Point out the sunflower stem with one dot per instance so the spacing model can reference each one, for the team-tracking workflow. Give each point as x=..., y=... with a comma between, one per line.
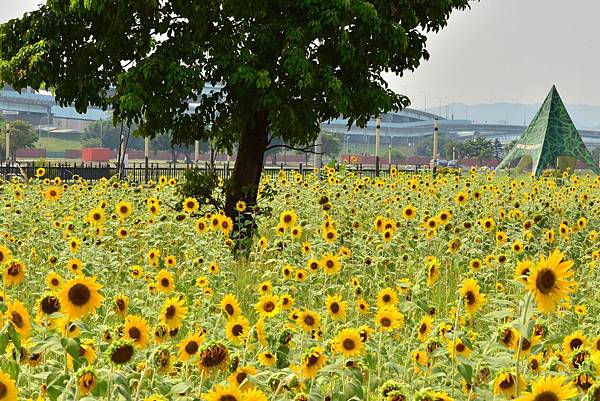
x=523, y=321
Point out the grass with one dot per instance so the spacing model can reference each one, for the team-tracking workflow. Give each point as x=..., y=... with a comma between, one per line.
x=58, y=144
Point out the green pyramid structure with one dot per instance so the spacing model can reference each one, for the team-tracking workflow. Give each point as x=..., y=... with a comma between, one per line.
x=550, y=135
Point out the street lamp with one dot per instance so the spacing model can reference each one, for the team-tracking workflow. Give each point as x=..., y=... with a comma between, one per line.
x=425, y=96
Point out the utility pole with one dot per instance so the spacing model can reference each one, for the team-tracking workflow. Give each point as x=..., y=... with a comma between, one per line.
x=146, y=156
x=377, y=144
x=196, y=151
x=318, y=159
x=436, y=130
x=7, y=142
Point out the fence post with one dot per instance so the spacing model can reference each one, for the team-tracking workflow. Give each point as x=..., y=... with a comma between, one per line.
x=377, y=166
x=301, y=169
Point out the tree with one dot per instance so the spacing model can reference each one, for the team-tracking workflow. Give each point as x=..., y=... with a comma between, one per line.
x=108, y=135
x=22, y=136
x=279, y=68
x=332, y=145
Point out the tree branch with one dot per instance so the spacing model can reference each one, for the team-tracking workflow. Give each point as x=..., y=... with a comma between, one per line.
x=304, y=150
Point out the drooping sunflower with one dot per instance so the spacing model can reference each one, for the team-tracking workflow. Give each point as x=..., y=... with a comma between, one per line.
x=14, y=273
x=213, y=357
x=548, y=281
x=86, y=380
x=433, y=272
x=121, y=352
x=173, y=312
x=136, y=330
x=165, y=281
x=190, y=346
x=550, y=388
x=121, y=304
x=8, y=388
x=508, y=337
x=471, y=296
x=237, y=329
x=348, y=342
x=312, y=362
x=18, y=316
x=47, y=304
x=80, y=296
x=336, y=308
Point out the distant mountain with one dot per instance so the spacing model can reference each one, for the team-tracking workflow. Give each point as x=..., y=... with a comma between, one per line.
x=584, y=116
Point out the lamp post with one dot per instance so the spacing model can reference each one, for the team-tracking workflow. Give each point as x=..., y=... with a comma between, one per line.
x=425, y=97
x=7, y=143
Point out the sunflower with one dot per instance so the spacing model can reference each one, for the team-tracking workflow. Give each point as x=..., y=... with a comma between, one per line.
x=190, y=346
x=424, y=327
x=164, y=281
x=96, y=217
x=501, y=238
x=457, y=347
x=473, y=299
x=547, y=281
x=523, y=269
x=388, y=318
x=488, y=224
x=550, y=388
x=348, y=343
x=75, y=266
x=18, y=316
x=309, y=320
x=336, y=308
x=8, y=388
x=86, y=380
x=387, y=297
x=505, y=384
x=14, y=272
x=123, y=209
x=362, y=306
x=508, y=337
x=121, y=304
x=312, y=362
x=286, y=301
x=330, y=263
x=80, y=296
x=267, y=305
x=5, y=255
x=224, y=393
x=47, y=305
x=172, y=313
x=240, y=206
x=409, y=212
x=534, y=363
x=461, y=198
x=267, y=358
x=121, y=352
x=237, y=329
x=433, y=272
x=230, y=305
x=52, y=194
x=240, y=378
x=190, y=205
x=226, y=225
x=288, y=219
x=574, y=341
x=136, y=330
x=313, y=265
x=475, y=263
x=266, y=287
x=213, y=357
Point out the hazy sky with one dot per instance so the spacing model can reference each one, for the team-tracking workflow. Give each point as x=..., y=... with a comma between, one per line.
x=500, y=50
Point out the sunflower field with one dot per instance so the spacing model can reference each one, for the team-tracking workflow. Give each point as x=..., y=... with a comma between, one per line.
x=408, y=287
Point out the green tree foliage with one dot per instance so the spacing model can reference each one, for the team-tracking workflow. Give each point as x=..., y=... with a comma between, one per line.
x=480, y=148
x=280, y=67
x=105, y=134
x=22, y=136
x=332, y=144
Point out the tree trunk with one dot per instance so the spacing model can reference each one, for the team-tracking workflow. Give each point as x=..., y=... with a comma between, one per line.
x=245, y=179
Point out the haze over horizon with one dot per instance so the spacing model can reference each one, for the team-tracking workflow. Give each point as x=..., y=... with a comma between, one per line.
x=509, y=51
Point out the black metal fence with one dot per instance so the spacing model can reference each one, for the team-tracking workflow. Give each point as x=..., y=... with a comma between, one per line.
x=138, y=172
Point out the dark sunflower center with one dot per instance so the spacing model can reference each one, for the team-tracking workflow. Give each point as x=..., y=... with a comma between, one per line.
x=79, y=294
x=3, y=390
x=312, y=361
x=190, y=205
x=309, y=320
x=134, y=333
x=122, y=354
x=228, y=397
x=191, y=347
x=240, y=377
x=269, y=307
x=387, y=298
x=546, y=396
x=386, y=322
x=423, y=328
x=50, y=305
x=470, y=297
x=335, y=307
x=17, y=319
x=545, y=281
x=507, y=383
x=214, y=356
x=14, y=269
x=460, y=347
x=348, y=344
x=575, y=343
x=165, y=282
x=229, y=309
x=329, y=264
x=237, y=330
x=287, y=218
x=534, y=364
x=120, y=305
x=124, y=209
x=170, y=312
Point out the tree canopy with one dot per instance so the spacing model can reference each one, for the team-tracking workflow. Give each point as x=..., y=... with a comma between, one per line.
x=279, y=67
x=22, y=136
